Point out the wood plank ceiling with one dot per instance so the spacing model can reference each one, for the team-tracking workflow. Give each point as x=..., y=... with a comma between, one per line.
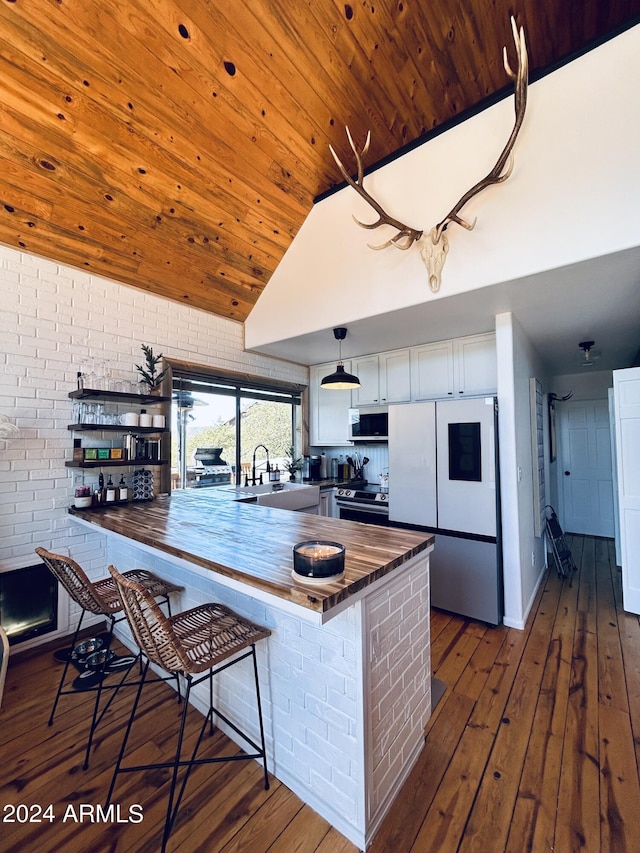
x=177, y=145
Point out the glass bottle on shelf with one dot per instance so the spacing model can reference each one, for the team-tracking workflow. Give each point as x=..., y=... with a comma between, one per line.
x=110, y=491
x=123, y=491
x=99, y=494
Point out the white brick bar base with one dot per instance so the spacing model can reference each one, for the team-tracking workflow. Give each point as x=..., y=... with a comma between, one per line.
x=345, y=703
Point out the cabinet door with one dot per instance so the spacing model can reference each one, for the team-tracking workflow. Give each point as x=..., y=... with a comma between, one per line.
x=366, y=369
x=432, y=371
x=325, y=503
x=475, y=368
x=394, y=377
x=329, y=410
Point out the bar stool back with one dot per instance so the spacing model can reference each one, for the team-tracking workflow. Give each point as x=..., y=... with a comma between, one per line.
x=206, y=639
x=102, y=599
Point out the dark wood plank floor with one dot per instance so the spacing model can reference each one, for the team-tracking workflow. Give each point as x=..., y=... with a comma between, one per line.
x=535, y=746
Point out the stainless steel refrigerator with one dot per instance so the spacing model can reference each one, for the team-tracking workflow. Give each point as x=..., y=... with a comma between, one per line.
x=443, y=477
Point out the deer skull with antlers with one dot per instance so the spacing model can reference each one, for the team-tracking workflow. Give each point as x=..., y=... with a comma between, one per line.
x=434, y=244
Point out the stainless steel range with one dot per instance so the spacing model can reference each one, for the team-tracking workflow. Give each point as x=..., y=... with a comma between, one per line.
x=366, y=504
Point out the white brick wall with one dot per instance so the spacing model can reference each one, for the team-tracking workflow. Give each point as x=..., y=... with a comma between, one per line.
x=52, y=318
x=311, y=690
x=345, y=704
x=399, y=679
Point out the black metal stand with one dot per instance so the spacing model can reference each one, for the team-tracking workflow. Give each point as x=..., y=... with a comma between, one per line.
x=562, y=555
x=177, y=762
x=101, y=672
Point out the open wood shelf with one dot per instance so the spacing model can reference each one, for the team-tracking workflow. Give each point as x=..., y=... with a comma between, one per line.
x=116, y=463
x=96, y=393
x=115, y=428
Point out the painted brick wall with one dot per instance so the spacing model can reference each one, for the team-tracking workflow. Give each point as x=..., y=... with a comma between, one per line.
x=52, y=318
x=333, y=695
x=311, y=689
x=399, y=683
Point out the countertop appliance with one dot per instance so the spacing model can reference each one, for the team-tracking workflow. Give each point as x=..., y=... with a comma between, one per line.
x=365, y=503
x=443, y=477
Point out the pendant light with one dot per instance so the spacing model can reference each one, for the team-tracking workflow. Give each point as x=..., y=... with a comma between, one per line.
x=340, y=380
x=588, y=356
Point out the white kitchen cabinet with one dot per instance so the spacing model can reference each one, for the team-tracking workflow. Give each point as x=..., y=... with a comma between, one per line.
x=432, y=371
x=395, y=376
x=384, y=378
x=328, y=410
x=475, y=365
x=366, y=369
x=327, y=503
x=452, y=368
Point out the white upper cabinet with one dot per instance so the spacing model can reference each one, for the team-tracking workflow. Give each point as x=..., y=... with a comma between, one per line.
x=475, y=365
x=395, y=376
x=442, y=370
x=366, y=369
x=432, y=371
x=384, y=378
x=328, y=410
x=449, y=369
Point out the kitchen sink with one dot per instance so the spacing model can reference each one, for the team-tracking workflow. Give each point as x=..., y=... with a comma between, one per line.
x=284, y=496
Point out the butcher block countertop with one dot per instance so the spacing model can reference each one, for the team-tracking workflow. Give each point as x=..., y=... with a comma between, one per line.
x=253, y=544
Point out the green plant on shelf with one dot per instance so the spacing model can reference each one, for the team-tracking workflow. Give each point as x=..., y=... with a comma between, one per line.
x=149, y=371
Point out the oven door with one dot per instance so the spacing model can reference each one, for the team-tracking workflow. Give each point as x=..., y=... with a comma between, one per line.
x=364, y=514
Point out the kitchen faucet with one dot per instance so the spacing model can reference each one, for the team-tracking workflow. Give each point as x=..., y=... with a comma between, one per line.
x=253, y=465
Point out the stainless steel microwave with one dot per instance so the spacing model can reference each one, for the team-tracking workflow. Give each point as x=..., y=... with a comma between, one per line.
x=369, y=423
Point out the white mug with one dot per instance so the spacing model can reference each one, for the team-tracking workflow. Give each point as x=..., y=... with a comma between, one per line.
x=129, y=419
x=146, y=419
x=158, y=421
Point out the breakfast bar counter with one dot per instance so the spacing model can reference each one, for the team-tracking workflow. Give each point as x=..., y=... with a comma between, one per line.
x=345, y=674
x=253, y=545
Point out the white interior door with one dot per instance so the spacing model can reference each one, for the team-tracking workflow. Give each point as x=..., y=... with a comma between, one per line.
x=585, y=467
x=626, y=389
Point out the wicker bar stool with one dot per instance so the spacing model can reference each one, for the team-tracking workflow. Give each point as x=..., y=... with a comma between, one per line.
x=102, y=599
x=196, y=645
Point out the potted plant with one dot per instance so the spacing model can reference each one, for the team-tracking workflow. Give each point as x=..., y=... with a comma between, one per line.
x=293, y=463
x=149, y=371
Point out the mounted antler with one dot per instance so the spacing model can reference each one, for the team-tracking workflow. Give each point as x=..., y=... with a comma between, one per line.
x=406, y=236
x=434, y=246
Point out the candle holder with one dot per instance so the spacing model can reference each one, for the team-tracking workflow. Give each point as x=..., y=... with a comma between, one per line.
x=318, y=561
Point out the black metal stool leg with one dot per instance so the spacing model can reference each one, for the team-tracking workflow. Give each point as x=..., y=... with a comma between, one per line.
x=66, y=669
x=127, y=733
x=171, y=811
x=96, y=704
x=262, y=742
x=211, y=702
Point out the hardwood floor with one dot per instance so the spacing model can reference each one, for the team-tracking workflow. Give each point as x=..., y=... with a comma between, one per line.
x=535, y=746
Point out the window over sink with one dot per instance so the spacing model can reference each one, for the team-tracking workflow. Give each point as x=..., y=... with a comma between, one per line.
x=218, y=418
